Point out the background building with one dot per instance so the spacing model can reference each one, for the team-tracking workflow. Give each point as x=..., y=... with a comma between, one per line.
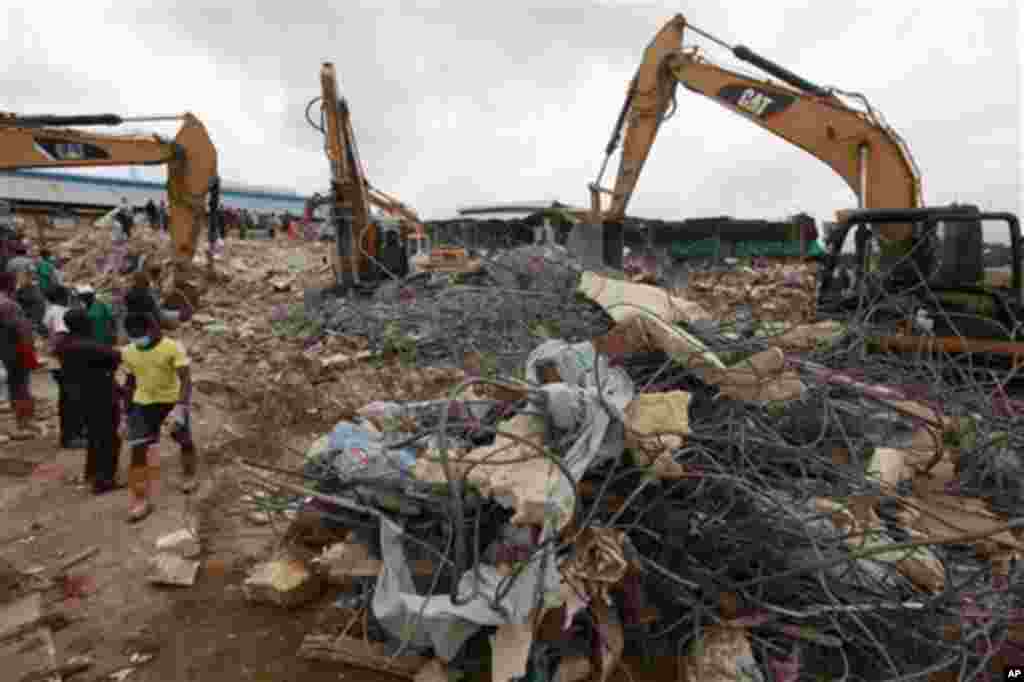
x=44, y=190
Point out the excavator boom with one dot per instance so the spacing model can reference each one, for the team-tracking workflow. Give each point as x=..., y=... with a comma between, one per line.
x=855, y=142
x=869, y=156
x=356, y=237
x=866, y=154
x=191, y=159
x=360, y=253
x=647, y=101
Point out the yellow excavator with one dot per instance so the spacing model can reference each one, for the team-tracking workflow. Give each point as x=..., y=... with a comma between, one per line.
x=191, y=160
x=942, y=245
x=367, y=250
x=856, y=143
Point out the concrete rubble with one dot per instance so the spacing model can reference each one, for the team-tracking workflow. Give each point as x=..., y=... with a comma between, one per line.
x=183, y=542
x=545, y=473
x=285, y=582
x=541, y=481
x=167, y=568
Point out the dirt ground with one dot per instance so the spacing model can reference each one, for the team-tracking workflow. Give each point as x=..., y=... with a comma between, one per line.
x=207, y=632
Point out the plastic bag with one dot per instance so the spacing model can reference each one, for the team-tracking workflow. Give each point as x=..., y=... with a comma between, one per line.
x=181, y=425
x=351, y=450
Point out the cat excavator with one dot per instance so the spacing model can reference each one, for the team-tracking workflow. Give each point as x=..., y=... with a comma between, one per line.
x=942, y=246
x=367, y=250
x=45, y=141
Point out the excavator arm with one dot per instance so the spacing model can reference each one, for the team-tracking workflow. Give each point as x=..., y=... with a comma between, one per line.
x=358, y=238
x=349, y=189
x=394, y=207
x=191, y=160
x=857, y=144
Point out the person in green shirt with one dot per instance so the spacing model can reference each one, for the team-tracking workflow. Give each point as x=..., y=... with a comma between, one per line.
x=46, y=272
x=101, y=317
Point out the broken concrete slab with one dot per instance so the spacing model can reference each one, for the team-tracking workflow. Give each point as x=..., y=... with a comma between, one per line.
x=183, y=543
x=343, y=562
x=623, y=300
x=285, y=582
x=170, y=569
x=647, y=332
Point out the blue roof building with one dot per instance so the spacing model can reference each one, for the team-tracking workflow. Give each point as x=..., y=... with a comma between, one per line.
x=40, y=189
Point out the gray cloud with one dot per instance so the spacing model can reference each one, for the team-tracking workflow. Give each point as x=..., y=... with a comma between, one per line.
x=463, y=102
x=30, y=76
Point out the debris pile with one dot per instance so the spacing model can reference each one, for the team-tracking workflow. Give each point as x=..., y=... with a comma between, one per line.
x=768, y=290
x=733, y=500
x=525, y=295
x=539, y=473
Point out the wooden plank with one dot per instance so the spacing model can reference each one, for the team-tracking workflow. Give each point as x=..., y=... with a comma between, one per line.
x=365, y=654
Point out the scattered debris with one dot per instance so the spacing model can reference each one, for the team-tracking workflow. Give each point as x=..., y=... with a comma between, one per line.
x=361, y=653
x=697, y=470
x=73, y=561
x=21, y=615
x=171, y=569
x=671, y=459
x=183, y=543
x=285, y=582
x=73, y=666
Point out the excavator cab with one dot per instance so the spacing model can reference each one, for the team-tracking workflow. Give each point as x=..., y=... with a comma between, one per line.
x=942, y=286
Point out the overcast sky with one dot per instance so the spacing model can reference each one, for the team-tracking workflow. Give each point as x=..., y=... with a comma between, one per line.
x=459, y=102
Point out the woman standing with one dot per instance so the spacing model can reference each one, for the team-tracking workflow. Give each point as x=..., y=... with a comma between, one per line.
x=18, y=357
x=91, y=366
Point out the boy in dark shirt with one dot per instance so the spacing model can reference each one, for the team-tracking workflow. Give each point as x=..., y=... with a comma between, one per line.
x=91, y=366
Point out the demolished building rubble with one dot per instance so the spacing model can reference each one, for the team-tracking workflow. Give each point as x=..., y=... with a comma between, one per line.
x=555, y=482
x=739, y=500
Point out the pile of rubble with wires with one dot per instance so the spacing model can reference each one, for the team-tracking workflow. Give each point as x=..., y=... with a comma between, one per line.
x=733, y=501
x=496, y=315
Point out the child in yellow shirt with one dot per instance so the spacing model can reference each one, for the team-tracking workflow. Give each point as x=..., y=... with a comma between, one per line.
x=159, y=385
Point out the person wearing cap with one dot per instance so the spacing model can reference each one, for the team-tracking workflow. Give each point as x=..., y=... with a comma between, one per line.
x=100, y=315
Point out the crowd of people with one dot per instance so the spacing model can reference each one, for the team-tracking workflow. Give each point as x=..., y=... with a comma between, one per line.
x=91, y=339
x=96, y=412
x=225, y=220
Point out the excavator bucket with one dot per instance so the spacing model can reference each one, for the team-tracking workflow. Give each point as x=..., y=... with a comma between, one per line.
x=583, y=241
x=188, y=181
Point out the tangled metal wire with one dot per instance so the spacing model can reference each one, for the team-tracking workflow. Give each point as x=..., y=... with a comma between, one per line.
x=745, y=520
